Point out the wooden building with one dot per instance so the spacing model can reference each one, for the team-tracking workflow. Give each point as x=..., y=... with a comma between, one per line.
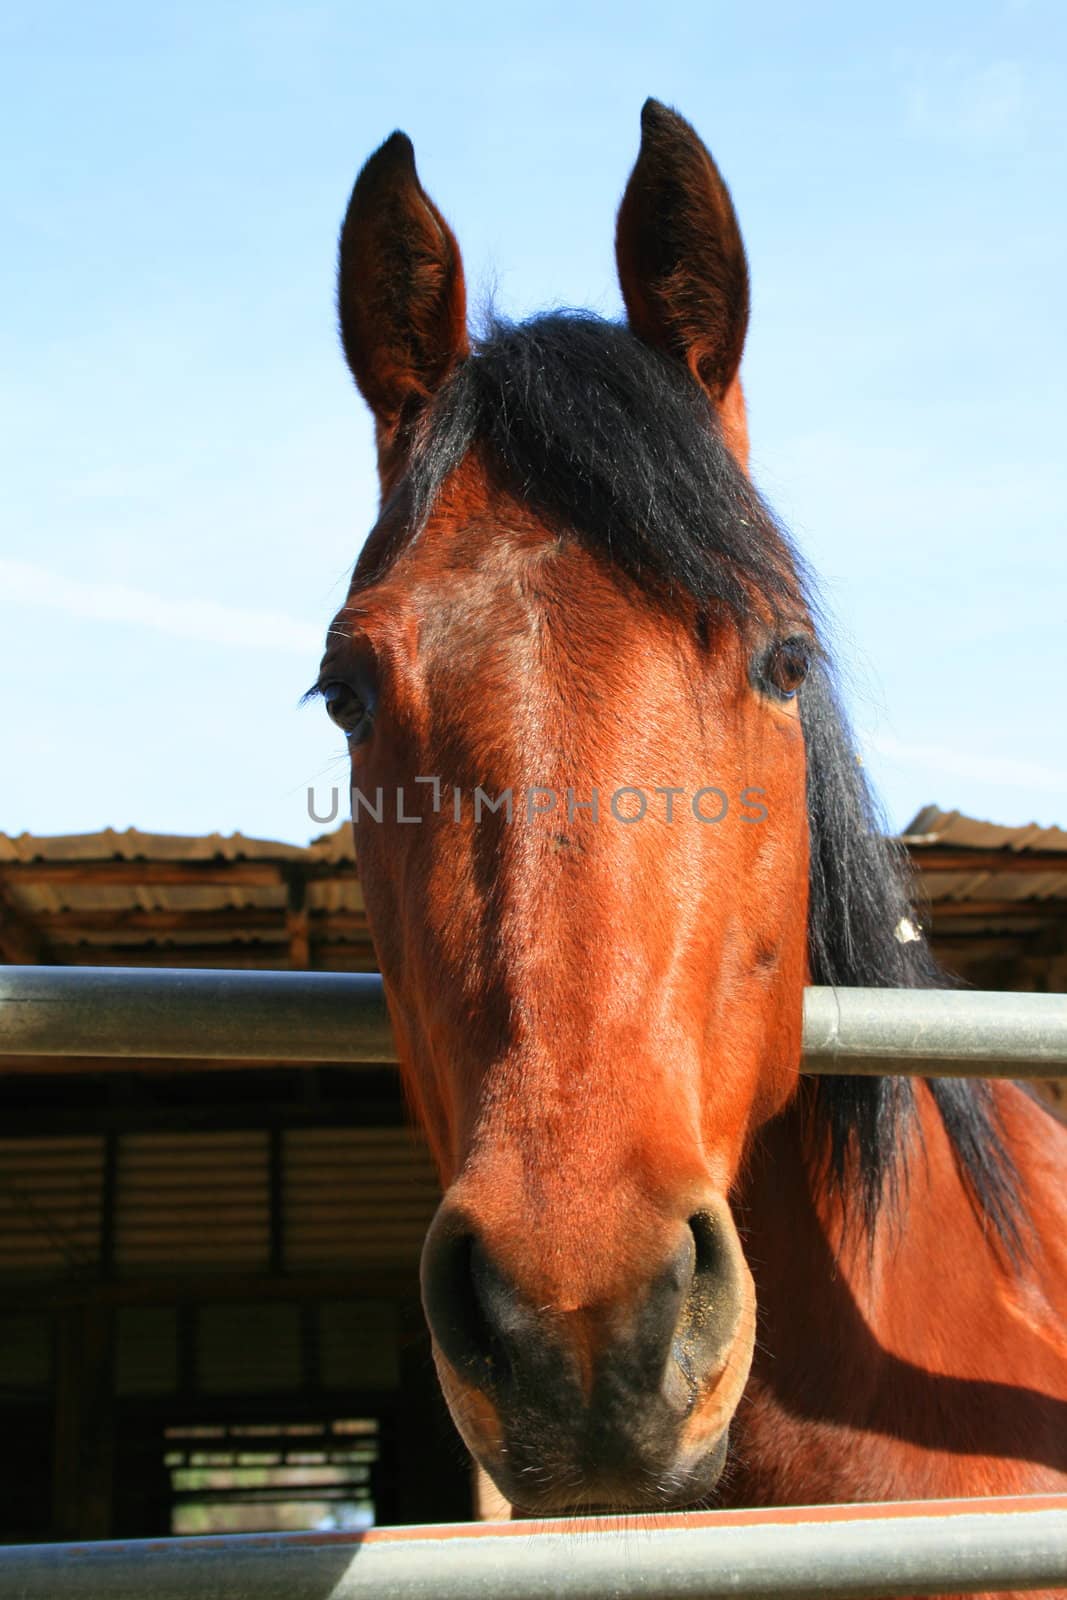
x=209, y=1313
x=995, y=899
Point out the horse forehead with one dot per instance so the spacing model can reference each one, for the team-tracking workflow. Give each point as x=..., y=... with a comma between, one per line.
x=486, y=591
x=500, y=591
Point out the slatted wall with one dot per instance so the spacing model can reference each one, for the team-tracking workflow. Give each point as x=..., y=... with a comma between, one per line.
x=262, y=1266
x=182, y=1202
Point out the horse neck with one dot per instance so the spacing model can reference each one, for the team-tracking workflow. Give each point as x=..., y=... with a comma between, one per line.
x=908, y=1367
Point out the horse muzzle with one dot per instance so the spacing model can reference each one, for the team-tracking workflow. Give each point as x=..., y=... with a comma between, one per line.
x=624, y=1404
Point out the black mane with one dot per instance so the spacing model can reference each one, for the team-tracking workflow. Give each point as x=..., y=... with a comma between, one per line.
x=616, y=446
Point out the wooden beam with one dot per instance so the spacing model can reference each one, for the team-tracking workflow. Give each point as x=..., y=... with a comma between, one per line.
x=84, y=1433
x=21, y=943
x=296, y=922
x=360, y=1281
x=941, y=858
x=336, y=924
x=981, y=948
x=982, y=927
x=1054, y=906
x=298, y=935
x=250, y=874
x=67, y=925
x=258, y=957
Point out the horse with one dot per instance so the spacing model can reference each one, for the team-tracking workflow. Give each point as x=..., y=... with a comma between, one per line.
x=610, y=822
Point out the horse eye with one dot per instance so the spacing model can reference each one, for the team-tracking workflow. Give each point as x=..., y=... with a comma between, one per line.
x=347, y=710
x=786, y=666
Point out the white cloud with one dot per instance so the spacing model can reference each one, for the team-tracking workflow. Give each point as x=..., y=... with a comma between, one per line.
x=937, y=760
x=22, y=583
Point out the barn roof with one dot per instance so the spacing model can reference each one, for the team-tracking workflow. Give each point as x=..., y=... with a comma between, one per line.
x=136, y=899
x=985, y=882
x=146, y=899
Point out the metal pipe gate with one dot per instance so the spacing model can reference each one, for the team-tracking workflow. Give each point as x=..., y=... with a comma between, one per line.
x=341, y=1017
x=804, y=1553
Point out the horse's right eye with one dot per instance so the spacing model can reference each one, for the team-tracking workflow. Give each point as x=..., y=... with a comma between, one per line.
x=351, y=714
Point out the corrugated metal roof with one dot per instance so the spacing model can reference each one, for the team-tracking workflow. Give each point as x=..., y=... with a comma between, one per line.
x=933, y=826
x=134, y=898
x=950, y=838
x=133, y=845
x=216, y=894
x=338, y=845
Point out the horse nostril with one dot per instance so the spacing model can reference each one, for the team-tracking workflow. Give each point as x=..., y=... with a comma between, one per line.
x=468, y=1304
x=495, y=1298
x=708, y=1321
x=448, y=1296
x=713, y=1257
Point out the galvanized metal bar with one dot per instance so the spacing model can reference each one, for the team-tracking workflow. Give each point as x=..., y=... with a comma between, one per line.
x=935, y=1033
x=215, y=1014
x=319, y=1016
x=862, y=1552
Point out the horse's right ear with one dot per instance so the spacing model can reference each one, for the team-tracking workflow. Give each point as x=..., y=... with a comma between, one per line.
x=400, y=292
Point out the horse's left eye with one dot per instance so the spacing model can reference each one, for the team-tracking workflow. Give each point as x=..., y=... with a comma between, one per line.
x=786, y=666
x=345, y=707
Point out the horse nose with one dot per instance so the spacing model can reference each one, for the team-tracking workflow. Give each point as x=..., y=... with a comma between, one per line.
x=659, y=1341
x=483, y=1327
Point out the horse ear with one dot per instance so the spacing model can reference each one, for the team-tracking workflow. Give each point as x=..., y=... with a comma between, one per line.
x=681, y=261
x=400, y=292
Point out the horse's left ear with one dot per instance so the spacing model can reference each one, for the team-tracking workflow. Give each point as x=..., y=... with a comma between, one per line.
x=682, y=264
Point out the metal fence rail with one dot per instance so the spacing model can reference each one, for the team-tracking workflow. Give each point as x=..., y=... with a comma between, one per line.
x=317, y=1016
x=921, y=1548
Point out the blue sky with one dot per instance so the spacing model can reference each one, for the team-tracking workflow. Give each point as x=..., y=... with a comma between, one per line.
x=187, y=473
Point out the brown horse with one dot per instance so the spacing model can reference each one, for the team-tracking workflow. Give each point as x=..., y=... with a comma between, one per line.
x=610, y=823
